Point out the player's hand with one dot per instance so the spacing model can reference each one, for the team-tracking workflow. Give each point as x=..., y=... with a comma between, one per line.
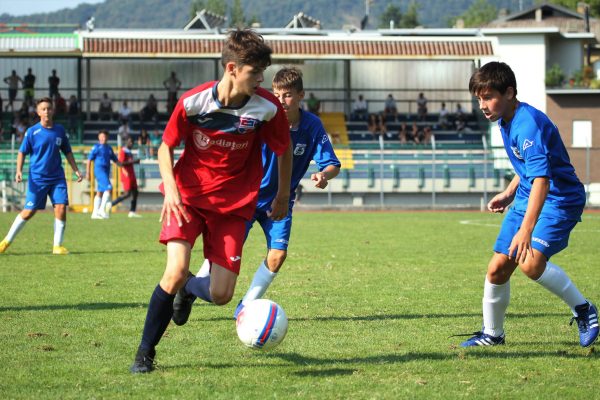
x=174, y=205
x=19, y=177
x=320, y=179
x=520, y=247
x=499, y=203
x=79, y=176
x=279, y=208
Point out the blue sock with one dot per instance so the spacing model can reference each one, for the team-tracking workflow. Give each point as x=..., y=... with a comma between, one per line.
x=199, y=287
x=160, y=312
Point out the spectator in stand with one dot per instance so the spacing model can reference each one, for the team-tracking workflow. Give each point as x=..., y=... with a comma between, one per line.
x=390, y=108
x=60, y=105
x=20, y=127
x=421, y=107
x=144, y=145
x=53, y=82
x=172, y=84
x=105, y=109
x=426, y=134
x=460, y=121
x=376, y=126
x=359, y=109
x=1, y=105
x=13, y=87
x=73, y=115
x=150, y=111
x=28, y=86
x=124, y=114
x=443, y=118
x=403, y=134
x=313, y=104
x=416, y=133
x=155, y=141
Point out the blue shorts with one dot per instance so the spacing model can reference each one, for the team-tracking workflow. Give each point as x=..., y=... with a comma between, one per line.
x=38, y=192
x=277, y=233
x=102, y=180
x=550, y=235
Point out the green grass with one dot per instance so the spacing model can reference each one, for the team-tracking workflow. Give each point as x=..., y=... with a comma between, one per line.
x=371, y=298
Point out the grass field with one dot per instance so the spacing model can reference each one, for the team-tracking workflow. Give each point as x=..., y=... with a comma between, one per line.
x=371, y=298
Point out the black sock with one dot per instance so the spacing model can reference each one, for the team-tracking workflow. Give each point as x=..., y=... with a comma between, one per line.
x=160, y=311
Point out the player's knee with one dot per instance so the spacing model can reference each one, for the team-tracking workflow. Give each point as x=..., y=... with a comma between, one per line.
x=172, y=281
x=498, y=274
x=221, y=296
x=27, y=214
x=533, y=269
x=275, y=259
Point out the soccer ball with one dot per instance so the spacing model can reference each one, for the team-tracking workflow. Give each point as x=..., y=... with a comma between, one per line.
x=262, y=324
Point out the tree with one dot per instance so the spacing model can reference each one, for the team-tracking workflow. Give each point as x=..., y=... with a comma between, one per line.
x=572, y=4
x=411, y=18
x=238, y=20
x=215, y=6
x=480, y=13
x=391, y=13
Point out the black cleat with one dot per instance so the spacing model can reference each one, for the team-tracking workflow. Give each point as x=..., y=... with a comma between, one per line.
x=182, y=305
x=144, y=361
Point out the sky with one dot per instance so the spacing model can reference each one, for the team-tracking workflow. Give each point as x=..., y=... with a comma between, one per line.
x=26, y=7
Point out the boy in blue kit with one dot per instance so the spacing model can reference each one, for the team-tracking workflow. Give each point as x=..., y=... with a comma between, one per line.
x=43, y=142
x=102, y=154
x=548, y=201
x=309, y=142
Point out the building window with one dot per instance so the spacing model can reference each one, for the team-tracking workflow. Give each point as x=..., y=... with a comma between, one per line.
x=582, y=134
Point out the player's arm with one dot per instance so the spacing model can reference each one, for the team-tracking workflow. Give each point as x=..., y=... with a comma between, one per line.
x=19, y=172
x=501, y=201
x=521, y=242
x=88, y=164
x=323, y=177
x=74, y=166
x=280, y=205
x=172, y=202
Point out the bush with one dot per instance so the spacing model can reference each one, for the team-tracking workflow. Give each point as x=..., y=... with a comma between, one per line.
x=555, y=76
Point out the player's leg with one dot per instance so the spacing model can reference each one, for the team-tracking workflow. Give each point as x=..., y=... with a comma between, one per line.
x=277, y=234
x=60, y=200
x=35, y=199
x=551, y=236
x=160, y=308
x=126, y=194
x=106, y=204
x=133, y=206
x=97, y=201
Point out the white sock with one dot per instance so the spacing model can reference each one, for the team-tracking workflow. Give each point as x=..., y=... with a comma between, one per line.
x=556, y=280
x=97, y=201
x=204, y=269
x=105, y=199
x=16, y=227
x=260, y=283
x=59, y=231
x=495, y=303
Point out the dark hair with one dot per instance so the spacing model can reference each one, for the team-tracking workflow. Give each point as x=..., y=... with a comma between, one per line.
x=246, y=47
x=288, y=78
x=103, y=132
x=44, y=100
x=493, y=75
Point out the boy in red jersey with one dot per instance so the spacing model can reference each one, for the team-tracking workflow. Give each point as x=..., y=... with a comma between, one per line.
x=128, y=179
x=213, y=189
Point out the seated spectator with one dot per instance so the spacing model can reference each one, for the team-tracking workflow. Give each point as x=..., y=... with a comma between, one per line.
x=144, y=145
x=105, y=109
x=421, y=107
x=73, y=114
x=390, y=108
x=443, y=118
x=359, y=109
x=150, y=111
x=155, y=141
x=123, y=132
x=403, y=134
x=425, y=135
x=124, y=114
x=376, y=125
x=60, y=105
x=19, y=128
x=416, y=133
x=313, y=104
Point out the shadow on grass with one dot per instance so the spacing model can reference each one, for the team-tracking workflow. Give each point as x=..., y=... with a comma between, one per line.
x=80, y=307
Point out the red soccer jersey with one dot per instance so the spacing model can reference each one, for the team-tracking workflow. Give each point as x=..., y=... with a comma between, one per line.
x=128, y=179
x=221, y=166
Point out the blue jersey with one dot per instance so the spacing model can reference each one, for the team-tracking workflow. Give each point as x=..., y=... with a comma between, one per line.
x=310, y=142
x=535, y=149
x=44, y=146
x=102, y=154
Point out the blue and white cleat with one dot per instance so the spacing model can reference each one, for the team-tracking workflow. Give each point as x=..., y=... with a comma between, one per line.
x=238, y=310
x=483, y=339
x=587, y=322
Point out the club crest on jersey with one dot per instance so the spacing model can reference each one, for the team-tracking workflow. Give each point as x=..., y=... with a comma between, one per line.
x=299, y=149
x=527, y=144
x=515, y=151
x=247, y=125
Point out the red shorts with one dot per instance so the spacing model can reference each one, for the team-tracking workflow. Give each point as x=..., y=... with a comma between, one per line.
x=223, y=235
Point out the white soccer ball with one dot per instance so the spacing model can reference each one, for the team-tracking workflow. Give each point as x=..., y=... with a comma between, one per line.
x=262, y=324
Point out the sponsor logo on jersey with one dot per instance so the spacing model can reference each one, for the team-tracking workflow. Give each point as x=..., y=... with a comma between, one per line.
x=299, y=149
x=281, y=241
x=540, y=241
x=29, y=204
x=203, y=142
x=235, y=258
x=515, y=151
x=36, y=132
x=247, y=125
x=527, y=144
x=325, y=139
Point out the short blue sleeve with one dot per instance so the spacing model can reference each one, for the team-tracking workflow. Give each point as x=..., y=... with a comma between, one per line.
x=93, y=153
x=324, y=154
x=26, y=147
x=535, y=153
